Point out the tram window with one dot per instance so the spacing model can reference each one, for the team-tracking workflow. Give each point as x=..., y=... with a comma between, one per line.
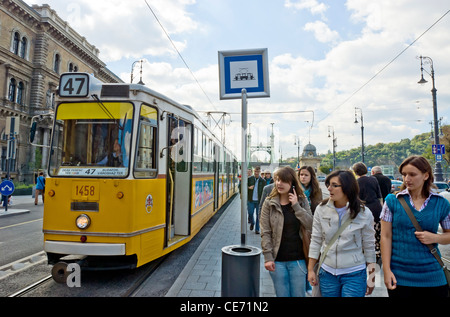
x=146, y=150
x=198, y=148
x=93, y=142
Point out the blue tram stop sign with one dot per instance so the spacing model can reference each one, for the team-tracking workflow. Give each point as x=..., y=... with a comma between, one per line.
x=6, y=188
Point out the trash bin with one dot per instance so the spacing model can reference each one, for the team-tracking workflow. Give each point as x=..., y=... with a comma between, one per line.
x=240, y=271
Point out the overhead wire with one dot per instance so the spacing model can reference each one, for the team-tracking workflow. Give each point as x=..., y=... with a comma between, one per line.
x=179, y=54
x=386, y=66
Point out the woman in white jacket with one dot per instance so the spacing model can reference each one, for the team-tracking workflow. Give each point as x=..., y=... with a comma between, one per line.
x=343, y=272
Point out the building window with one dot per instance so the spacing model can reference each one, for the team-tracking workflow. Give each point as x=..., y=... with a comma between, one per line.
x=20, y=90
x=23, y=47
x=12, y=90
x=16, y=43
x=56, y=63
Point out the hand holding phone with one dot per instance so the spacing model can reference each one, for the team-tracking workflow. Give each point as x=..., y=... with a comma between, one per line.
x=293, y=195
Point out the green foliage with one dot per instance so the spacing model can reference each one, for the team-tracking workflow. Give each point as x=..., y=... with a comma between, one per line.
x=389, y=153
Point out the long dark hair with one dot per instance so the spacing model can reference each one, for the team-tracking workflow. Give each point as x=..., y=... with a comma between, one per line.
x=287, y=175
x=422, y=165
x=316, y=192
x=350, y=188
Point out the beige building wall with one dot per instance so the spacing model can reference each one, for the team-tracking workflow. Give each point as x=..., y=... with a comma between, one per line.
x=36, y=46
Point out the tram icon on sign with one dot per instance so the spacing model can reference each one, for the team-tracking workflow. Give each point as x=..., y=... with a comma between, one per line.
x=244, y=74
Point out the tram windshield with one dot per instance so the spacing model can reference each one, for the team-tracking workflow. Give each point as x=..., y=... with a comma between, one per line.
x=92, y=139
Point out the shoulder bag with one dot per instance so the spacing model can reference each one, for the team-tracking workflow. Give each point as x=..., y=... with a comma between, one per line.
x=433, y=250
x=316, y=289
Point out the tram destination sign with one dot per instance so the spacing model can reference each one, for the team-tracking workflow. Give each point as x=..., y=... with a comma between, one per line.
x=244, y=69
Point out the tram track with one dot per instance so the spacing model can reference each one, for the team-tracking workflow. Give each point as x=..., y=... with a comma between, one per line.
x=31, y=287
x=133, y=287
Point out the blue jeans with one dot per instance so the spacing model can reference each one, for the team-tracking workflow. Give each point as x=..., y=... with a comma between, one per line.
x=251, y=207
x=345, y=285
x=289, y=278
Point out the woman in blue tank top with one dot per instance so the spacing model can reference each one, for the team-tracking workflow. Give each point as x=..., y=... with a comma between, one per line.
x=409, y=267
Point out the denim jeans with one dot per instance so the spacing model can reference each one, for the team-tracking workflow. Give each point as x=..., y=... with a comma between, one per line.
x=289, y=278
x=251, y=207
x=345, y=285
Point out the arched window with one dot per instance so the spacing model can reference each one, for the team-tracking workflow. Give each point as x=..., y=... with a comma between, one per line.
x=12, y=90
x=20, y=90
x=56, y=63
x=73, y=67
x=16, y=43
x=23, y=47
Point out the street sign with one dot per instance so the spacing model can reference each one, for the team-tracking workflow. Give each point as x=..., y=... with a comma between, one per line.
x=438, y=157
x=244, y=69
x=6, y=188
x=438, y=148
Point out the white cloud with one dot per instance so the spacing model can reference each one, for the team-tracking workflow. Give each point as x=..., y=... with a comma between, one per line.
x=327, y=78
x=313, y=6
x=127, y=29
x=322, y=32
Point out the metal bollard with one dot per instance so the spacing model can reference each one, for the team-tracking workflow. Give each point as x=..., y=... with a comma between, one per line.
x=240, y=271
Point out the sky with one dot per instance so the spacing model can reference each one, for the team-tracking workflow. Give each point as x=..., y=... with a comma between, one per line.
x=327, y=60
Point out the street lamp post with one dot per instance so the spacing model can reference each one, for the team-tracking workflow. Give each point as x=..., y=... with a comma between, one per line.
x=362, y=131
x=132, y=68
x=438, y=169
x=334, y=146
x=297, y=142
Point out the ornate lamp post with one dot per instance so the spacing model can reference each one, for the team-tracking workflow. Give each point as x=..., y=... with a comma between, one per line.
x=362, y=132
x=330, y=128
x=132, y=68
x=438, y=169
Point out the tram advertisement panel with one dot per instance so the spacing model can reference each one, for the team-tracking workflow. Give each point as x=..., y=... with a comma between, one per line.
x=204, y=192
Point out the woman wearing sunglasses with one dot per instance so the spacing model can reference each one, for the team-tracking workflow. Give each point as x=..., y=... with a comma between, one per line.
x=343, y=270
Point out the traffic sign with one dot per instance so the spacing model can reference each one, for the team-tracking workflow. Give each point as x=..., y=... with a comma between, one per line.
x=6, y=188
x=438, y=148
x=438, y=157
x=244, y=69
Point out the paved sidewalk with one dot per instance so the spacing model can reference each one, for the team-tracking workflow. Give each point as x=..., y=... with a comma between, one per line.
x=16, y=207
x=202, y=275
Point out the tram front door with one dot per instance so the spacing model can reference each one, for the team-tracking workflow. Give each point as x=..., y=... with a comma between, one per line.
x=179, y=179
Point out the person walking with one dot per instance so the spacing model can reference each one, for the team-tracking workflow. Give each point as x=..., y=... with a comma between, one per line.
x=384, y=181
x=370, y=194
x=410, y=269
x=310, y=186
x=343, y=269
x=268, y=178
x=286, y=222
x=40, y=188
x=255, y=185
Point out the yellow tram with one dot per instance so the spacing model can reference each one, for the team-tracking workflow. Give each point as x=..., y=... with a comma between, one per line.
x=132, y=174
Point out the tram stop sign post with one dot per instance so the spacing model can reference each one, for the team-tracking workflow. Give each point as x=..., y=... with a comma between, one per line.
x=6, y=189
x=242, y=74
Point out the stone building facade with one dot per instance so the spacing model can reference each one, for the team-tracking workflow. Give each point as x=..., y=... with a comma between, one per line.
x=36, y=46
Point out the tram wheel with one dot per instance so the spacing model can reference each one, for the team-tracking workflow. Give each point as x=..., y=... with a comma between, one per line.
x=59, y=272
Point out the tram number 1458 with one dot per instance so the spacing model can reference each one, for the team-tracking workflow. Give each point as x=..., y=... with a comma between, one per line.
x=85, y=190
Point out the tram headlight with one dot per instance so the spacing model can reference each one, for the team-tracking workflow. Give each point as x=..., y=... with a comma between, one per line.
x=83, y=221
